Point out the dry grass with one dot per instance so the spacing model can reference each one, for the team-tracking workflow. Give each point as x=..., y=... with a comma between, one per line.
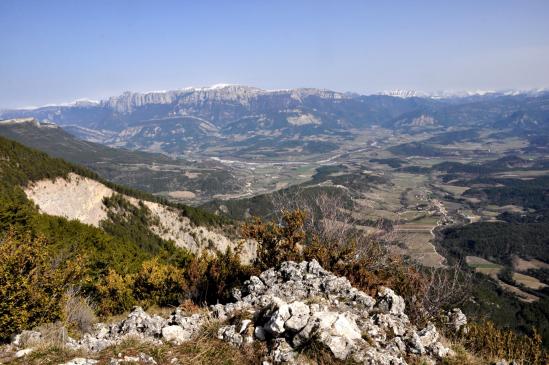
x=206, y=349
x=462, y=357
x=45, y=354
x=487, y=341
x=78, y=313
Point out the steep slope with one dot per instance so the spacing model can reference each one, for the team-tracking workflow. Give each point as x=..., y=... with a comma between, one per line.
x=28, y=177
x=86, y=200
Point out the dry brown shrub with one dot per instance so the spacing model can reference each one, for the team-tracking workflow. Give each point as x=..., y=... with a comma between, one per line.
x=277, y=242
x=494, y=343
x=211, y=277
x=446, y=288
x=78, y=312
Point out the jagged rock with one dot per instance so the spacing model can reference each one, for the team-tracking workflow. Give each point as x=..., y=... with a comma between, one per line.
x=440, y=351
x=139, y=322
x=255, y=285
x=81, y=361
x=341, y=338
x=282, y=352
x=175, y=334
x=268, y=277
x=231, y=335
x=319, y=322
x=91, y=343
x=291, y=271
x=299, y=313
x=389, y=302
x=279, y=317
x=336, y=285
x=365, y=300
x=314, y=268
x=294, y=306
x=388, y=322
x=414, y=344
x=302, y=302
x=428, y=335
x=337, y=331
x=190, y=324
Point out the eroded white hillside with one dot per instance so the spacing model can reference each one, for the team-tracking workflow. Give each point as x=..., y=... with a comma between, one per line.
x=76, y=197
x=81, y=198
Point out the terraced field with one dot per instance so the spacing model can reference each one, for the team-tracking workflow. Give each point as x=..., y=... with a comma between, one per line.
x=493, y=270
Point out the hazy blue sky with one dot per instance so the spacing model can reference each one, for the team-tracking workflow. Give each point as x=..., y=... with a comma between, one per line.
x=54, y=51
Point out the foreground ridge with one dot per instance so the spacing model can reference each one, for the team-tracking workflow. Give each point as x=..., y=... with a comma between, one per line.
x=289, y=308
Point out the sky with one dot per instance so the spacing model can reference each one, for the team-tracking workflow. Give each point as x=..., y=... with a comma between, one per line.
x=58, y=51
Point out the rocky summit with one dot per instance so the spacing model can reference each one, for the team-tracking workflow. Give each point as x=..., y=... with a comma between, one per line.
x=289, y=308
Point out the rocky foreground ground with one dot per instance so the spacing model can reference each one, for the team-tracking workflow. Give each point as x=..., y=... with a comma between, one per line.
x=290, y=309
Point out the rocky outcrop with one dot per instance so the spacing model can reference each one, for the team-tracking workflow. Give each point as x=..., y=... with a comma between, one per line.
x=176, y=329
x=291, y=309
x=196, y=97
x=302, y=303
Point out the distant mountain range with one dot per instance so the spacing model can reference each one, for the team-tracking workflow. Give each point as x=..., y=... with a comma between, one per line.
x=194, y=120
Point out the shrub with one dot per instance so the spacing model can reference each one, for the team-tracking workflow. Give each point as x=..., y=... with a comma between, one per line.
x=159, y=284
x=213, y=276
x=32, y=283
x=277, y=242
x=115, y=293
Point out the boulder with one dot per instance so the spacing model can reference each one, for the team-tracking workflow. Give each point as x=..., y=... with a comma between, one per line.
x=299, y=316
x=275, y=325
x=175, y=334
